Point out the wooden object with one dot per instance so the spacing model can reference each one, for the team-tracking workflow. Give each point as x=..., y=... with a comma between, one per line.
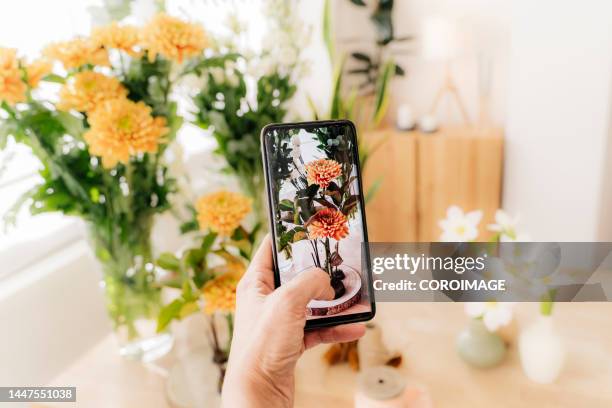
x=424, y=174
x=391, y=214
x=458, y=166
x=425, y=333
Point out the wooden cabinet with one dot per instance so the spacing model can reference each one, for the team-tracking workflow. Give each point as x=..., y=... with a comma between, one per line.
x=423, y=174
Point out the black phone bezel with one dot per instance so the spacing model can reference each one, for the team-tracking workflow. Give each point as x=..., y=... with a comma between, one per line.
x=332, y=320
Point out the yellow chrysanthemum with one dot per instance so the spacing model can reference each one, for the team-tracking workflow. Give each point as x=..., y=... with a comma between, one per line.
x=124, y=38
x=87, y=89
x=37, y=70
x=172, y=38
x=76, y=53
x=12, y=88
x=121, y=128
x=220, y=293
x=222, y=211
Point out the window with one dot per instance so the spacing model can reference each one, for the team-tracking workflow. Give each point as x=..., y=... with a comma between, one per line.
x=28, y=25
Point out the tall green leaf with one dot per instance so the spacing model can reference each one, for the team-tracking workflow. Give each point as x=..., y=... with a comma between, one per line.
x=328, y=34
x=336, y=97
x=382, y=91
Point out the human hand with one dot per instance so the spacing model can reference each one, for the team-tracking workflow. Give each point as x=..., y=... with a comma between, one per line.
x=269, y=334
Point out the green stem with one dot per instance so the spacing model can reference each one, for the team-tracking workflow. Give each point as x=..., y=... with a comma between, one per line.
x=546, y=307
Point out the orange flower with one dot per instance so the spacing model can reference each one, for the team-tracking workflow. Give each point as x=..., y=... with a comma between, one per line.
x=12, y=88
x=121, y=128
x=87, y=89
x=222, y=211
x=220, y=293
x=327, y=223
x=76, y=53
x=124, y=38
x=37, y=70
x=172, y=38
x=322, y=172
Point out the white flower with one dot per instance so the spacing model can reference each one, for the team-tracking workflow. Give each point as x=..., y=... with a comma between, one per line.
x=494, y=314
x=218, y=75
x=232, y=79
x=287, y=56
x=506, y=225
x=460, y=227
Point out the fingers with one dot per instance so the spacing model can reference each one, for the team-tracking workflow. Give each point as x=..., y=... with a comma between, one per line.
x=308, y=285
x=261, y=268
x=338, y=334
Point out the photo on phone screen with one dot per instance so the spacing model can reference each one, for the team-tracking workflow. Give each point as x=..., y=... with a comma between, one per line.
x=317, y=212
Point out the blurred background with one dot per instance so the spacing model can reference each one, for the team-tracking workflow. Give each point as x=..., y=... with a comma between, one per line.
x=477, y=120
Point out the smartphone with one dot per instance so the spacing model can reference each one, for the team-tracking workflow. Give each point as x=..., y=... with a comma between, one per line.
x=317, y=214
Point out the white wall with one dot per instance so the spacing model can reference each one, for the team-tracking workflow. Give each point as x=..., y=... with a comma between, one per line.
x=485, y=26
x=558, y=128
x=552, y=88
x=50, y=313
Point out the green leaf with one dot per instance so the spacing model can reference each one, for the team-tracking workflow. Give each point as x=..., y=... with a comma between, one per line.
x=168, y=313
x=54, y=78
x=189, y=226
x=328, y=32
x=373, y=189
x=73, y=125
x=208, y=241
x=285, y=205
x=362, y=57
x=382, y=92
x=336, y=100
x=169, y=262
x=313, y=107
x=188, y=309
x=360, y=3
x=350, y=205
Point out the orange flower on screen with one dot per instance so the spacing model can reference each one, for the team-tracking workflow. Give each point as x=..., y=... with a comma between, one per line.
x=327, y=223
x=222, y=211
x=172, y=38
x=121, y=128
x=322, y=172
x=124, y=38
x=87, y=89
x=76, y=53
x=12, y=88
x=37, y=70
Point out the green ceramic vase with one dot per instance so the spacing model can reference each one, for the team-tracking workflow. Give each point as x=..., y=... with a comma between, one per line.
x=479, y=347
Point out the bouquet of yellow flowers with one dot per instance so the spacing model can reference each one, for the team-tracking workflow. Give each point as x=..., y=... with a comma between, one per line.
x=208, y=273
x=100, y=128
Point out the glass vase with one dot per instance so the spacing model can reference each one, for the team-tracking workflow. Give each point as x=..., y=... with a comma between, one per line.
x=133, y=299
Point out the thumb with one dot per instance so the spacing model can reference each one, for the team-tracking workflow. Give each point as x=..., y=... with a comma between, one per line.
x=308, y=285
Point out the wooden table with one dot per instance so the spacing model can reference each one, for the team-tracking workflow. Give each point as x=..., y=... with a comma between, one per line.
x=424, y=332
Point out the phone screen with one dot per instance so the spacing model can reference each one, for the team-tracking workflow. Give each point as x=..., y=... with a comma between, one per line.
x=316, y=207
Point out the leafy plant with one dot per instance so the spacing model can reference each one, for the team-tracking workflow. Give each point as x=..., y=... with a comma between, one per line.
x=372, y=66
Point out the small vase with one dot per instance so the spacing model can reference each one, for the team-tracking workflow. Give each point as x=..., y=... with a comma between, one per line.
x=542, y=351
x=479, y=347
x=133, y=299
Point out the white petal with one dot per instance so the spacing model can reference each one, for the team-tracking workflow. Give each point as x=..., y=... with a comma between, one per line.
x=454, y=213
x=474, y=309
x=474, y=216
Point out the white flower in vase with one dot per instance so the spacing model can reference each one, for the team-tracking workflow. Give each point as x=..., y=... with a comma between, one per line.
x=493, y=314
x=459, y=226
x=505, y=225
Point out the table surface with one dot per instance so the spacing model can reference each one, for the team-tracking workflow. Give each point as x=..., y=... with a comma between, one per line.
x=424, y=332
